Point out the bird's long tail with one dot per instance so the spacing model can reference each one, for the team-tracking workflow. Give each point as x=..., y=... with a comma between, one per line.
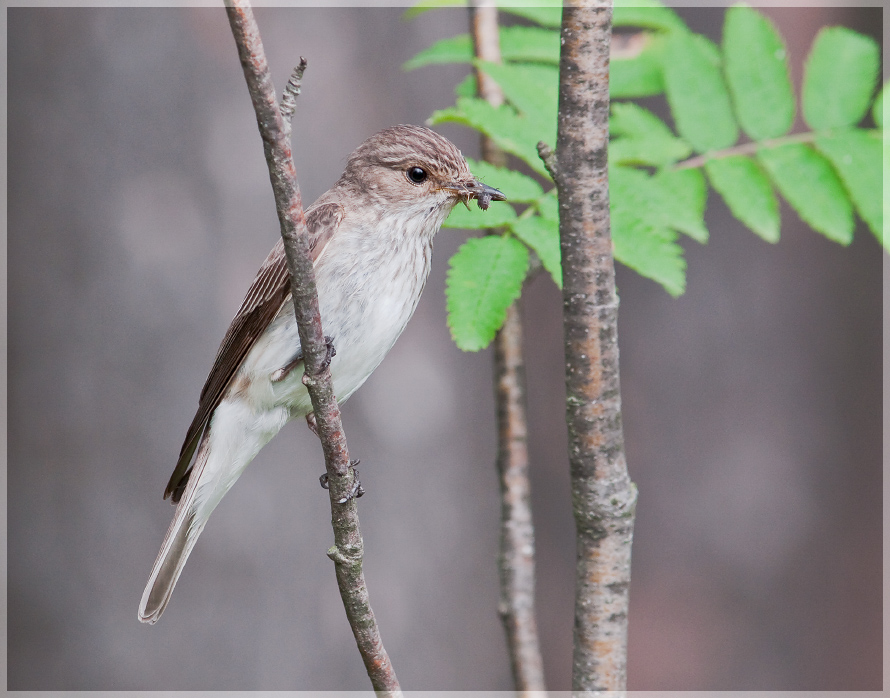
x=178, y=543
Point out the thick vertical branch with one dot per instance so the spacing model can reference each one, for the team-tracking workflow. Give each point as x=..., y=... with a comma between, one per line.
x=603, y=497
x=517, y=543
x=347, y=551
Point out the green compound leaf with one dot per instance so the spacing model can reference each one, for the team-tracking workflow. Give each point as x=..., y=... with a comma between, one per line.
x=856, y=155
x=682, y=197
x=648, y=140
x=532, y=89
x=697, y=94
x=516, y=186
x=808, y=182
x=757, y=72
x=425, y=5
x=629, y=119
x=484, y=278
x=509, y=130
x=542, y=235
x=878, y=110
x=531, y=44
x=748, y=193
x=476, y=219
x=457, y=49
x=839, y=78
x=548, y=206
x=885, y=235
x=641, y=240
x=547, y=13
x=640, y=76
x=647, y=151
x=466, y=87
x=648, y=15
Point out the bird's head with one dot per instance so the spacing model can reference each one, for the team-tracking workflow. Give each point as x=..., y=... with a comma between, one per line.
x=414, y=168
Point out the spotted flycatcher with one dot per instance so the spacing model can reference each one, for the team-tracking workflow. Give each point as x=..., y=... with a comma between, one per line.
x=371, y=237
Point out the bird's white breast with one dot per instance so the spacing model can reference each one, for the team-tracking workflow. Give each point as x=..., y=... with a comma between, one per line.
x=369, y=278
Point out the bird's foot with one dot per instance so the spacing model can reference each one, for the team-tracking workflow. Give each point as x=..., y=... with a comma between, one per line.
x=312, y=423
x=285, y=371
x=355, y=492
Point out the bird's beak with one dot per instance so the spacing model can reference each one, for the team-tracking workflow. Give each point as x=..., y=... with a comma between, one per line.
x=474, y=189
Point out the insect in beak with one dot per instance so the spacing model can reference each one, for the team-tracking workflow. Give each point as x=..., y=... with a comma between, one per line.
x=475, y=189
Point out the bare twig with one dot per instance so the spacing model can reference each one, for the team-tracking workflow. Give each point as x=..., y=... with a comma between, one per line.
x=347, y=551
x=291, y=92
x=603, y=497
x=516, y=558
x=517, y=552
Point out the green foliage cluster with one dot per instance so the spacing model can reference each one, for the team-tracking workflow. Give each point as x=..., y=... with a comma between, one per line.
x=659, y=175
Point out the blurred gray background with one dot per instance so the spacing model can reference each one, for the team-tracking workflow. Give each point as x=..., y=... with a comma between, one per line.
x=139, y=211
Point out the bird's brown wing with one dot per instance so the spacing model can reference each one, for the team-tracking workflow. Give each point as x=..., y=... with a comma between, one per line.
x=269, y=290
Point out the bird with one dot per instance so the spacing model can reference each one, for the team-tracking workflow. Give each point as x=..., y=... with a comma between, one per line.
x=371, y=240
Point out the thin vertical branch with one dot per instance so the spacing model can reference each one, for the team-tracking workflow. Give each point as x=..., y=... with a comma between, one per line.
x=603, y=497
x=517, y=544
x=347, y=551
x=517, y=552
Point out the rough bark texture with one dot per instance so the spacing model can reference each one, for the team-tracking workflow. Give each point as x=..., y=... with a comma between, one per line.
x=516, y=558
x=347, y=551
x=603, y=497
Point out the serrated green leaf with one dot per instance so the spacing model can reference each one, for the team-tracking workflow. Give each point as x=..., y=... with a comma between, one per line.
x=697, y=94
x=532, y=89
x=748, y=193
x=425, y=5
x=648, y=15
x=809, y=183
x=466, y=87
x=640, y=76
x=884, y=237
x=629, y=119
x=516, y=186
x=532, y=44
x=640, y=241
x=548, y=206
x=542, y=235
x=709, y=49
x=671, y=198
x=457, y=49
x=648, y=140
x=476, y=219
x=650, y=251
x=839, y=78
x=756, y=68
x=656, y=152
x=547, y=13
x=682, y=196
x=484, y=278
x=503, y=125
x=878, y=109
x=856, y=155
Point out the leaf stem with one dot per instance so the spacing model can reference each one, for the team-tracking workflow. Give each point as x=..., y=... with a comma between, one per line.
x=747, y=149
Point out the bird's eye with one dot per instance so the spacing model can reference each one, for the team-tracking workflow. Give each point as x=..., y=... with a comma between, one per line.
x=417, y=175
